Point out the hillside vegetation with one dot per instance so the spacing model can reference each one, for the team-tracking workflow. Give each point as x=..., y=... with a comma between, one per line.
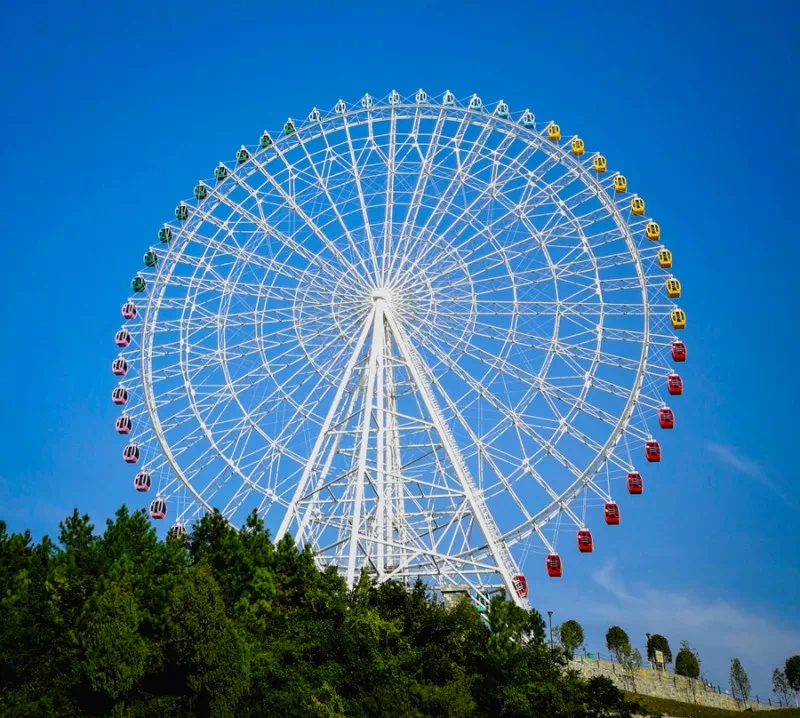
x=224, y=623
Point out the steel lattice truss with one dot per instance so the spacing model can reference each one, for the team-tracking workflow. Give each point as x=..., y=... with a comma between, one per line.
x=416, y=333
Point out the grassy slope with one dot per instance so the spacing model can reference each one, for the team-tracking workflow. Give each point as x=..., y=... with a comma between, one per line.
x=688, y=710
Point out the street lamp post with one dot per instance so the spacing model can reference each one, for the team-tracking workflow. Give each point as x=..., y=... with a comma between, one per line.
x=550, y=616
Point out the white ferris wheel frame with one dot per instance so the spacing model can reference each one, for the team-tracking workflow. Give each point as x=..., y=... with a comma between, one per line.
x=375, y=515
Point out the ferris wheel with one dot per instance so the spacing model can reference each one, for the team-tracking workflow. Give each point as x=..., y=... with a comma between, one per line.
x=429, y=337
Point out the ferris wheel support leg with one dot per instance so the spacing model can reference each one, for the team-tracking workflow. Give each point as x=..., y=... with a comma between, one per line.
x=498, y=550
x=291, y=509
x=375, y=354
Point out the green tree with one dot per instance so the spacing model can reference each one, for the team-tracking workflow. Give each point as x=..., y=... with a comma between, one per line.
x=616, y=642
x=570, y=634
x=739, y=682
x=780, y=686
x=687, y=662
x=791, y=670
x=209, y=656
x=631, y=661
x=657, y=642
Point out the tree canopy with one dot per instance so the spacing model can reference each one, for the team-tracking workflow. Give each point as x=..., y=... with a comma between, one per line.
x=570, y=633
x=617, y=641
x=791, y=670
x=657, y=642
x=225, y=623
x=687, y=662
x=739, y=682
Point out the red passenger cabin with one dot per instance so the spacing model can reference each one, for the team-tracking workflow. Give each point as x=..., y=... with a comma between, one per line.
x=678, y=351
x=652, y=450
x=635, y=483
x=674, y=385
x=520, y=585
x=553, y=563
x=666, y=418
x=611, y=512
x=585, y=543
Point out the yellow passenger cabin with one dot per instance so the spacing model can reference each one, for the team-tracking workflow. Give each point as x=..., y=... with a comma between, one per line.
x=653, y=231
x=664, y=258
x=637, y=206
x=678, y=317
x=554, y=132
x=577, y=146
x=673, y=288
x=620, y=184
x=599, y=163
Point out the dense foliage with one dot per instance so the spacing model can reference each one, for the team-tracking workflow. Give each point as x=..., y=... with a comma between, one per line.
x=227, y=624
x=687, y=662
x=570, y=634
x=617, y=642
x=657, y=642
x=739, y=682
x=792, y=672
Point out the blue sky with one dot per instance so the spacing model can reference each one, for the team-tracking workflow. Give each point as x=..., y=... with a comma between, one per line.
x=111, y=115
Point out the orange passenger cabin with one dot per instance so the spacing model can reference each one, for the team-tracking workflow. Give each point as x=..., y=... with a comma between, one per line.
x=635, y=483
x=585, y=543
x=520, y=584
x=652, y=450
x=553, y=563
x=611, y=511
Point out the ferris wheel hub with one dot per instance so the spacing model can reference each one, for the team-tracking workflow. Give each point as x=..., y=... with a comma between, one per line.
x=384, y=294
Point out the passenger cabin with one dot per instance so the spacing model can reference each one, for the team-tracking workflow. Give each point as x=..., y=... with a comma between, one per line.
x=652, y=451
x=475, y=103
x=165, y=235
x=502, y=110
x=150, y=258
x=664, y=257
x=124, y=424
x=265, y=140
x=158, y=508
x=599, y=164
x=678, y=318
x=678, y=351
x=611, y=512
x=666, y=419
x=527, y=119
x=242, y=155
x=314, y=115
x=394, y=97
x=620, y=184
x=421, y=96
x=119, y=396
x=200, y=192
x=119, y=367
x=578, y=146
x=553, y=132
x=449, y=99
x=340, y=108
x=367, y=102
x=674, y=384
x=176, y=532
x=122, y=338
x=652, y=231
x=129, y=310
x=131, y=454
x=585, y=543
x=138, y=284
x=637, y=206
x=289, y=128
x=182, y=212
x=520, y=584
x=142, y=482
x=635, y=483
x=553, y=563
x=673, y=288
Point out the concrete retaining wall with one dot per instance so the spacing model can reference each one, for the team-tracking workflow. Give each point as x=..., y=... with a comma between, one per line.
x=659, y=684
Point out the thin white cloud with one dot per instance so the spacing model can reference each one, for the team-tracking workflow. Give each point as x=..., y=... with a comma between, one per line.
x=716, y=628
x=730, y=457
